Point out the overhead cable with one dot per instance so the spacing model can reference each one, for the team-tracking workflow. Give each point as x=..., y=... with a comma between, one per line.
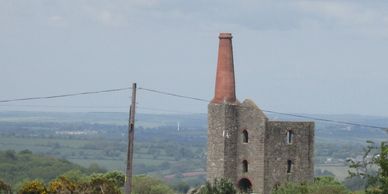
x=66, y=95
x=172, y=94
x=274, y=112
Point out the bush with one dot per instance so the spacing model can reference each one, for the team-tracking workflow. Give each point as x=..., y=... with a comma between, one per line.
x=33, y=187
x=181, y=187
x=5, y=188
x=74, y=182
x=219, y=186
x=319, y=186
x=149, y=185
x=376, y=181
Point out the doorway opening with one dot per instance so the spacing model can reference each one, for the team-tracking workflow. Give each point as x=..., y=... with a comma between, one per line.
x=245, y=185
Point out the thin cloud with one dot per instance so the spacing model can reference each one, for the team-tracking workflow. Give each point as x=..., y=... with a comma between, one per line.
x=345, y=13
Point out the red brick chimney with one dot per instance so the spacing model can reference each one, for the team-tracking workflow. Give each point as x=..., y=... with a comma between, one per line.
x=225, y=84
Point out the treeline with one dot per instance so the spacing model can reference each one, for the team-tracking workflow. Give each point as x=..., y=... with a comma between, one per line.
x=15, y=167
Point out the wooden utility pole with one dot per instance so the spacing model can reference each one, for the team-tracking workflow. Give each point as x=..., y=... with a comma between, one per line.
x=131, y=134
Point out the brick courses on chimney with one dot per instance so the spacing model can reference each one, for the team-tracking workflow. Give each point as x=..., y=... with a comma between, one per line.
x=225, y=83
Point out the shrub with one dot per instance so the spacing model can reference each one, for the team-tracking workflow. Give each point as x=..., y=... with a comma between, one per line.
x=319, y=186
x=33, y=187
x=149, y=185
x=5, y=188
x=219, y=186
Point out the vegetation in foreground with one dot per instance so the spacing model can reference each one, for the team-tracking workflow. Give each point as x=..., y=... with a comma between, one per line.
x=320, y=185
x=373, y=169
x=219, y=186
x=76, y=182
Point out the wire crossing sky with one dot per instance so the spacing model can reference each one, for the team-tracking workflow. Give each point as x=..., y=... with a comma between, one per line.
x=320, y=57
x=181, y=96
x=65, y=95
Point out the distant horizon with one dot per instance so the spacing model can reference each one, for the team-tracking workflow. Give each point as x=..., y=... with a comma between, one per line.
x=172, y=113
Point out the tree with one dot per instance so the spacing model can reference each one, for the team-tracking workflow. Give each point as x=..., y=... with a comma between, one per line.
x=181, y=187
x=363, y=169
x=374, y=157
x=10, y=154
x=382, y=162
x=320, y=185
x=219, y=186
x=149, y=185
x=5, y=188
x=100, y=183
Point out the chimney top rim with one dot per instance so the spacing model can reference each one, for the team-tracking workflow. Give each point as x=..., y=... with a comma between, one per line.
x=225, y=35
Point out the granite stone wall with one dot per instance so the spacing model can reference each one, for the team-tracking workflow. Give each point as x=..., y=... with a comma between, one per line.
x=253, y=120
x=282, y=156
x=222, y=138
x=269, y=151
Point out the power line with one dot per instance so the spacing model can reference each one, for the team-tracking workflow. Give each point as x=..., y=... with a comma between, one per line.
x=101, y=107
x=165, y=110
x=273, y=112
x=172, y=94
x=65, y=95
x=326, y=120
x=55, y=106
x=180, y=96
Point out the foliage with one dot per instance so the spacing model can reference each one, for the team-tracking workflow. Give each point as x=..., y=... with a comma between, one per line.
x=219, y=186
x=364, y=168
x=181, y=187
x=104, y=183
x=33, y=187
x=318, y=186
x=149, y=185
x=4, y=188
x=111, y=182
x=355, y=183
x=377, y=181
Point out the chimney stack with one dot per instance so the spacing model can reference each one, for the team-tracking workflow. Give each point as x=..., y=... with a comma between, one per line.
x=225, y=83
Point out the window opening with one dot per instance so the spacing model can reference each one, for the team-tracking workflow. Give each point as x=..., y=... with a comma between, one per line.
x=245, y=166
x=289, y=166
x=290, y=136
x=245, y=136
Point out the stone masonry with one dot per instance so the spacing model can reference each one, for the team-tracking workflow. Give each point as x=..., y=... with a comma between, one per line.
x=244, y=146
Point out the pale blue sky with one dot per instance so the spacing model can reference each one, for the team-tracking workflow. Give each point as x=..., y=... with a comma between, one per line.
x=290, y=56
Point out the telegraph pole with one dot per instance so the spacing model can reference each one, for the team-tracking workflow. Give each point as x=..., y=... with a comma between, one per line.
x=131, y=134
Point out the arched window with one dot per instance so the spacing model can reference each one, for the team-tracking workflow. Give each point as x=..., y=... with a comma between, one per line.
x=290, y=136
x=245, y=166
x=245, y=136
x=289, y=166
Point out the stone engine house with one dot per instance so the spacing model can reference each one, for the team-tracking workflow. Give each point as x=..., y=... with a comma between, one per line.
x=256, y=154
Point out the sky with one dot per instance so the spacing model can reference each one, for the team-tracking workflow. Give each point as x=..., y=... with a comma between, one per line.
x=319, y=57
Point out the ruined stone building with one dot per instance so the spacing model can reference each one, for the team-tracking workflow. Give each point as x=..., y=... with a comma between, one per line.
x=245, y=146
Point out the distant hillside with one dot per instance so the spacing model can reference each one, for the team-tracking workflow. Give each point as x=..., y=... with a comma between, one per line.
x=24, y=165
